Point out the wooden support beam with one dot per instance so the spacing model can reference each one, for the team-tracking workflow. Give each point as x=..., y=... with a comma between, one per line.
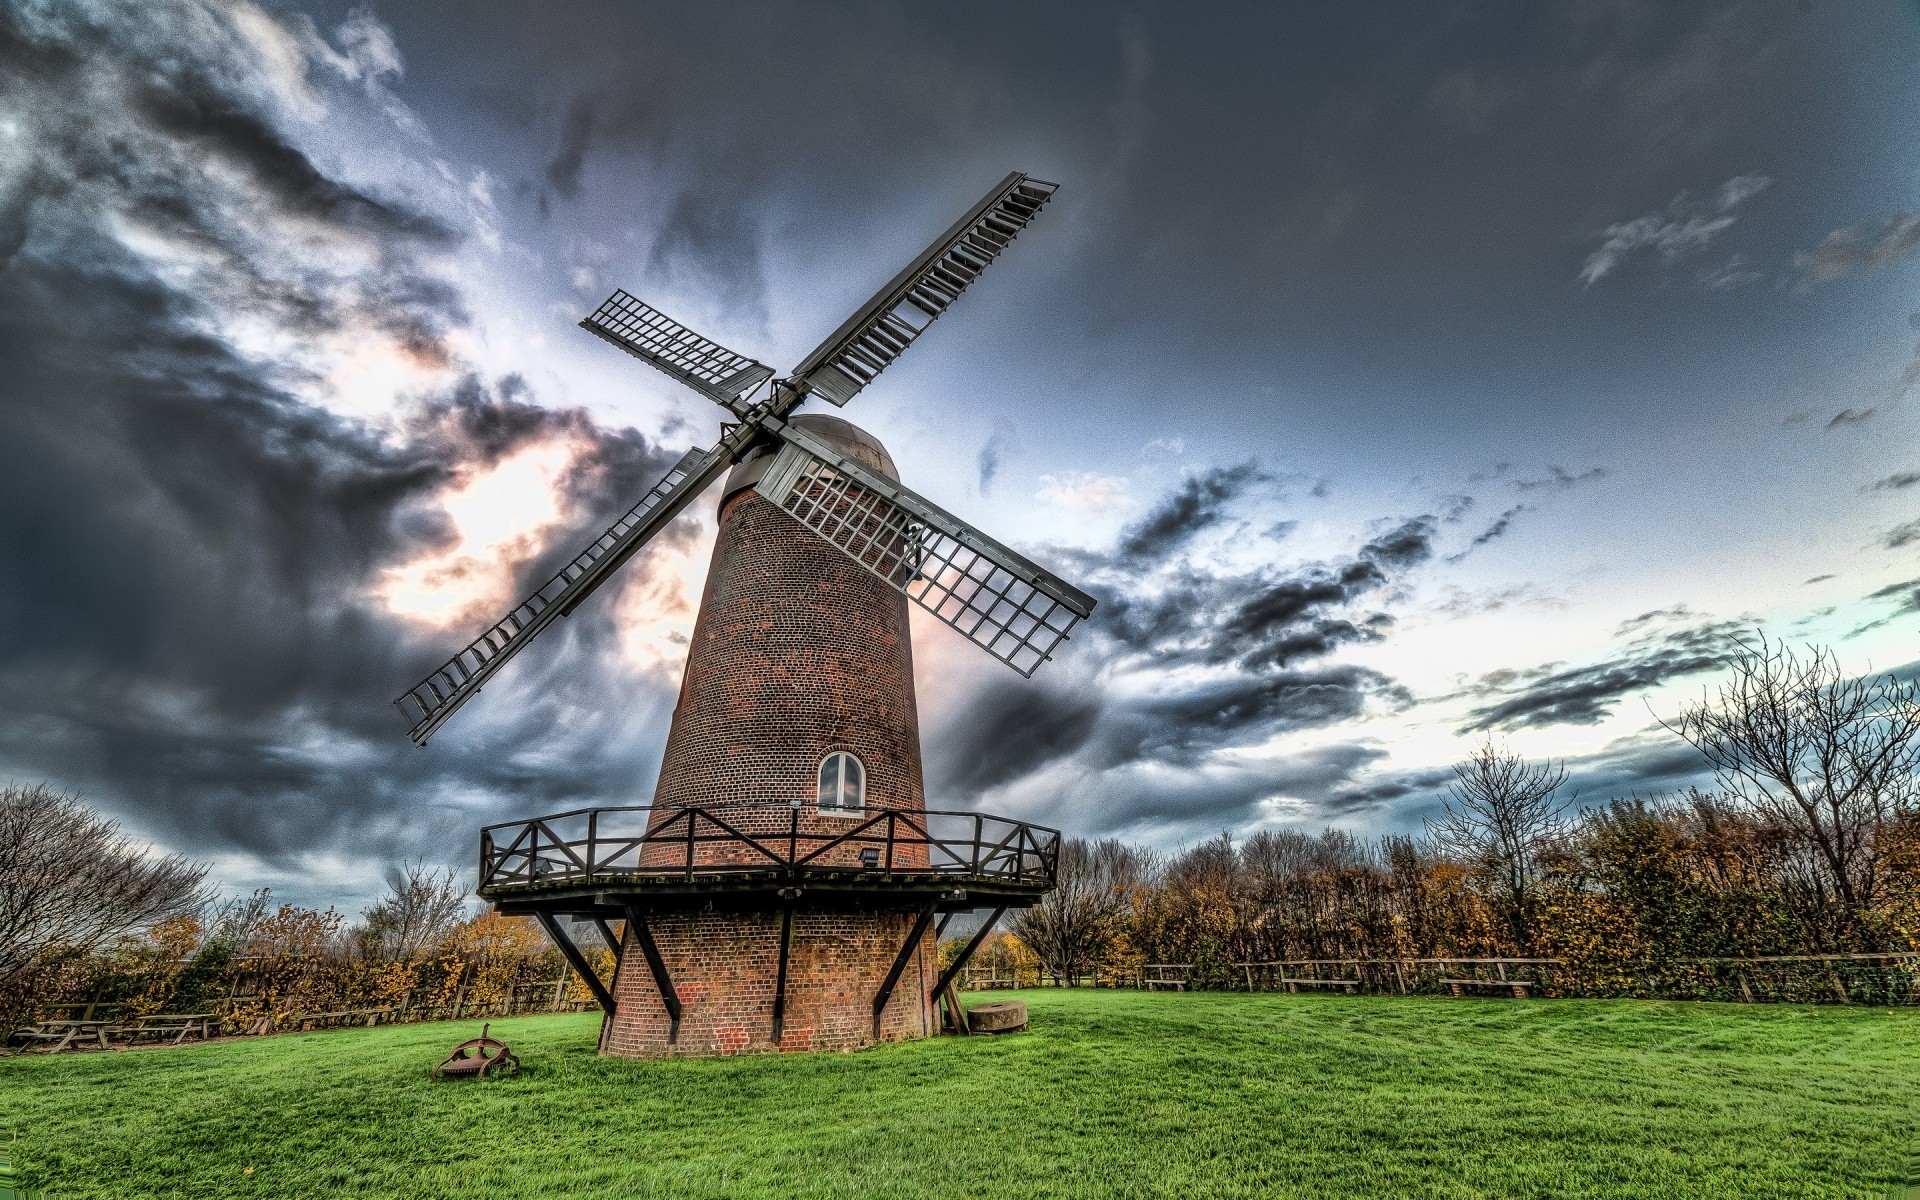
x=900, y=961
x=956, y=1011
x=780, y=976
x=577, y=961
x=613, y=943
x=661, y=980
x=958, y=964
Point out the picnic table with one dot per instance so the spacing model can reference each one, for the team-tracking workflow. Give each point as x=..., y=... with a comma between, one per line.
x=159, y=1025
x=62, y=1032
x=1296, y=983
x=355, y=1016
x=1519, y=987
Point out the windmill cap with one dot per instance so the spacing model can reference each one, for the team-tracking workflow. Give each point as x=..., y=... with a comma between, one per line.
x=849, y=438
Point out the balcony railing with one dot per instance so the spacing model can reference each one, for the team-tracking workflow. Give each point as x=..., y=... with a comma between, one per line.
x=667, y=844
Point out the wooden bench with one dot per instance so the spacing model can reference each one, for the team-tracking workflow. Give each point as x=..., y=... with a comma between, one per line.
x=1347, y=985
x=1517, y=986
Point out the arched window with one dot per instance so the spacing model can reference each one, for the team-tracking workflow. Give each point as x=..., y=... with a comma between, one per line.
x=843, y=783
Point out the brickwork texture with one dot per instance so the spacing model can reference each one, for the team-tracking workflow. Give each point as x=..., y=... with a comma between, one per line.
x=797, y=652
x=723, y=967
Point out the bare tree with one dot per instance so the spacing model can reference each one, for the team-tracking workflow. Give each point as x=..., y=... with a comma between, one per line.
x=70, y=882
x=1074, y=924
x=1828, y=758
x=1499, y=813
x=421, y=907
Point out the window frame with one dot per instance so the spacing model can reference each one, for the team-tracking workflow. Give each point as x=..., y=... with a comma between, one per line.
x=840, y=785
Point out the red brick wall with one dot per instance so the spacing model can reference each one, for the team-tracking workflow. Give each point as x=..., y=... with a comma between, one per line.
x=797, y=652
x=723, y=967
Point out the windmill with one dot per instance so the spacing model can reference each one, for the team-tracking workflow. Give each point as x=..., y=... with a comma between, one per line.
x=1017, y=611
x=785, y=880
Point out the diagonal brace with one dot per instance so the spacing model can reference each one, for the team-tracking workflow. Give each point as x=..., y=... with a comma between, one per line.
x=577, y=961
x=959, y=963
x=900, y=964
x=658, y=966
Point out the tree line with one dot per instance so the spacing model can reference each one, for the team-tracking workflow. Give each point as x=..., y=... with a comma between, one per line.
x=88, y=917
x=1807, y=844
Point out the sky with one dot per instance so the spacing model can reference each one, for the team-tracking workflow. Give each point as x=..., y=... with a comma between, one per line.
x=1398, y=377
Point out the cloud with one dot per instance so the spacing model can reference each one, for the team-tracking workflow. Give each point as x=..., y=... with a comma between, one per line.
x=1498, y=529
x=1908, y=596
x=235, y=408
x=1850, y=416
x=1200, y=669
x=1587, y=695
x=1645, y=762
x=1895, y=482
x=1853, y=248
x=1729, y=275
x=1559, y=479
x=1084, y=492
x=992, y=451
x=1685, y=228
x=707, y=241
x=562, y=171
x=1904, y=534
x=1198, y=503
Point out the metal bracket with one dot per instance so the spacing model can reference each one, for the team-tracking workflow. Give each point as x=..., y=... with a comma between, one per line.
x=577, y=961
x=658, y=966
x=900, y=964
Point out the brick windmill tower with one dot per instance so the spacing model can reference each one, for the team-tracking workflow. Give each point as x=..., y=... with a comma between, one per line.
x=782, y=890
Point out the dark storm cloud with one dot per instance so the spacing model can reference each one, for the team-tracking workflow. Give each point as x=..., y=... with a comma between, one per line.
x=1383, y=794
x=1198, y=802
x=1586, y=695
x=1908, y=596
x=563, y=169
x=991, y=453
x=709, y=242
x=1018, y=726
x=187, y=629
x=1198, y=503
x=1185, y=727
x=1260, y=620
x=1648, y=762
x=1239, y=647
x=1493, y=532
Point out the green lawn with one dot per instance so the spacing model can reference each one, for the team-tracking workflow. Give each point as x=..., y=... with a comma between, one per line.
x=1110, y=1094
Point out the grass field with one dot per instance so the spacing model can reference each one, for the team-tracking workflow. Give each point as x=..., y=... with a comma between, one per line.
x=1110, y=1094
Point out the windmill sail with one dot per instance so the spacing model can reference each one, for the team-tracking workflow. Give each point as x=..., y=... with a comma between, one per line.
x=1015, y=610
x=428, y=705
x=653, y=337
x=887, y=324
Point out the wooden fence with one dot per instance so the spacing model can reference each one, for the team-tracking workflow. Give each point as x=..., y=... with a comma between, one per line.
x=1881, y=979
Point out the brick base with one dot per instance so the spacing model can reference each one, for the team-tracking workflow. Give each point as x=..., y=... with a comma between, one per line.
x=723, y=967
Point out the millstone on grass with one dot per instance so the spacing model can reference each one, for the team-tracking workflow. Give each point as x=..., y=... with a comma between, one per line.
x=997, y=1016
